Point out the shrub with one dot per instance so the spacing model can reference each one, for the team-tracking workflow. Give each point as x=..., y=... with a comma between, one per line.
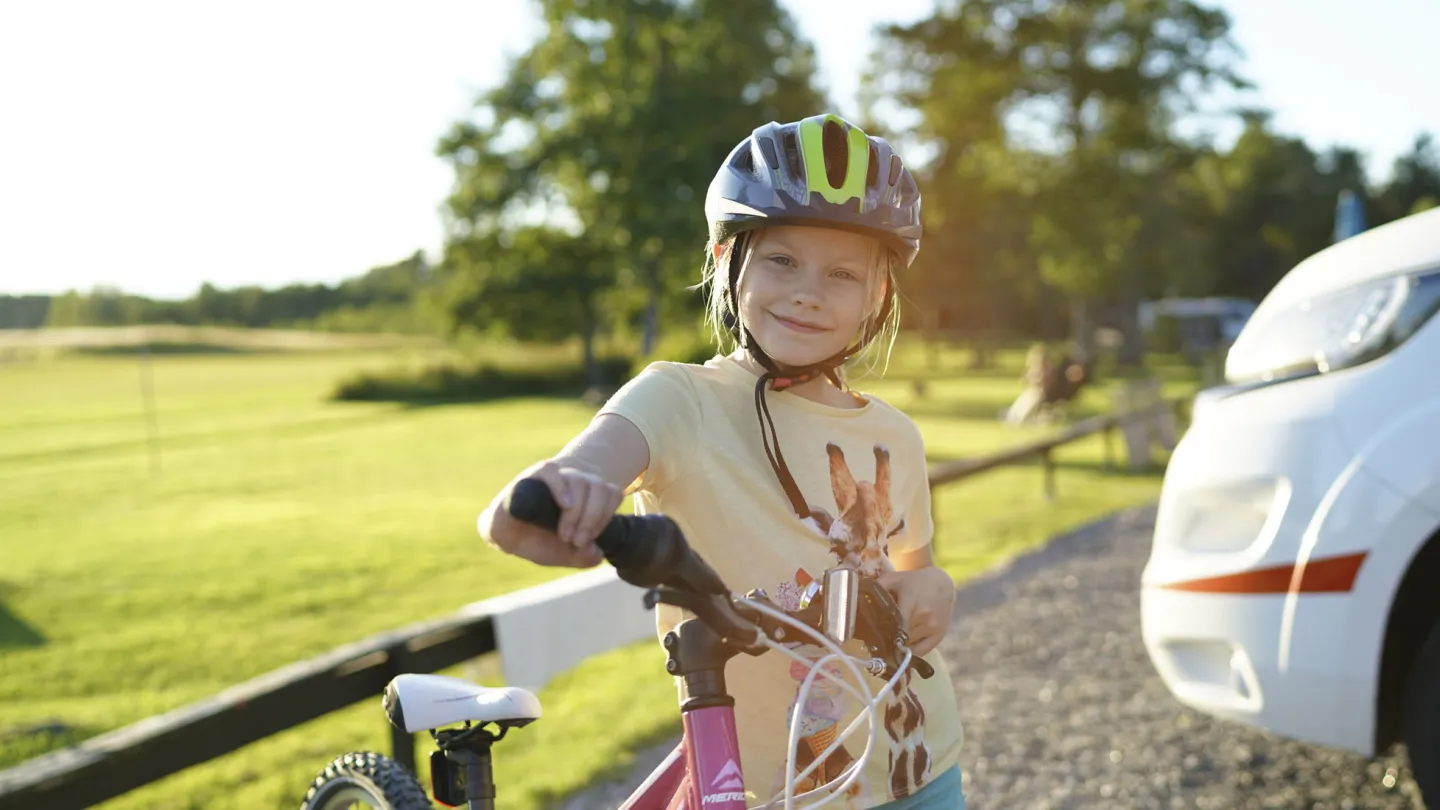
x=679, y=346
x=469, y=382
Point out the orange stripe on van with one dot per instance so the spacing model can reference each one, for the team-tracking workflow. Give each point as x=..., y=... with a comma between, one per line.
x=1325, y=575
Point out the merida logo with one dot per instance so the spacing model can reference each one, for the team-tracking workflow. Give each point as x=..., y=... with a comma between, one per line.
x=728, y=781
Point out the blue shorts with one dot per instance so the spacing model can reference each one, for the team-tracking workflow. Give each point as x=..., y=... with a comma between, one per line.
x=943, y=793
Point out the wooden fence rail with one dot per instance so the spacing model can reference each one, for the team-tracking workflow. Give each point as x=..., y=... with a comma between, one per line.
x=1044, y=448
x=112, y=764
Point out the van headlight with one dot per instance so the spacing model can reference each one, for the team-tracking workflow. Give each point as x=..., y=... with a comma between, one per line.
x=1336, y=330
x=1231, y=517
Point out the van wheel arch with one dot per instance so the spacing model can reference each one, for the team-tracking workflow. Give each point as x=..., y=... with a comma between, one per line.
x=1414, y=615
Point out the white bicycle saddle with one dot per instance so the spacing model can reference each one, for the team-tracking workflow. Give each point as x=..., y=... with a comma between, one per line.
x=425, y=702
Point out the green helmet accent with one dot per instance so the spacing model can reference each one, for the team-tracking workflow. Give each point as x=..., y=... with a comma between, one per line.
x=812, y=155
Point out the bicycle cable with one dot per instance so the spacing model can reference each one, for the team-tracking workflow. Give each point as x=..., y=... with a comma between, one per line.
x=870, y=701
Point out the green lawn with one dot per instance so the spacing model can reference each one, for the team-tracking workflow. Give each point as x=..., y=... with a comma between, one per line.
x=281, y=524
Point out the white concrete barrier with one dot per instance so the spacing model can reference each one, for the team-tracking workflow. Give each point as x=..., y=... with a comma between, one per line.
x=550, y=628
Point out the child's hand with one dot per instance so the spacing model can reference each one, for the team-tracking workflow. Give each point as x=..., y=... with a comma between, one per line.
x=587, y=502
x=926, y=597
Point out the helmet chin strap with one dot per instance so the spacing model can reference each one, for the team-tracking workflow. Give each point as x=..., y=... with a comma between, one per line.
x=780, y=377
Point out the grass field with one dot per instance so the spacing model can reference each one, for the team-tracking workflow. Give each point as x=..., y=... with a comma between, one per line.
x=280, y=524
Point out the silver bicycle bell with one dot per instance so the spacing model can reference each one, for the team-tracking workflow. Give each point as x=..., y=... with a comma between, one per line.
x=842, y=592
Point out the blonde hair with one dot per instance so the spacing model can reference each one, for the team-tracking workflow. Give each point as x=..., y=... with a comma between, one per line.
x=884, y=263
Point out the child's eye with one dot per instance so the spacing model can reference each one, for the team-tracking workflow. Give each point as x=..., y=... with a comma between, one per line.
x=846, y=275
x=782, y=260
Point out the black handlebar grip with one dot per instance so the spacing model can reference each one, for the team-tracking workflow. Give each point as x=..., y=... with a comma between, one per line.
x=922, y=666
x=530, y=500
x=647, y=551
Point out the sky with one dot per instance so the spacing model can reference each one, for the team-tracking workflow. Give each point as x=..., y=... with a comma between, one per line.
x=153, y=146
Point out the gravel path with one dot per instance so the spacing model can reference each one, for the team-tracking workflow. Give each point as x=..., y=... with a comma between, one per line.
x=1063, y=710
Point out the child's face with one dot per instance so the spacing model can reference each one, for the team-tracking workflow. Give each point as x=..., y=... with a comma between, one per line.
x=806, y=292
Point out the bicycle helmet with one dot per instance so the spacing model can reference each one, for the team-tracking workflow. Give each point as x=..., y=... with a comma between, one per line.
x=820, y=171
x=787, y=174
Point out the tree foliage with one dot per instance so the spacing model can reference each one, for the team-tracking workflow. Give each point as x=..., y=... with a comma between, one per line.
x=387, y=298
x=1061, y=112
x=605, y=134
x=1057, y=186
x=1058, y=170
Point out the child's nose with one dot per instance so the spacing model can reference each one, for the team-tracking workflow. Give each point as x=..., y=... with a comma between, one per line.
x=807, y=292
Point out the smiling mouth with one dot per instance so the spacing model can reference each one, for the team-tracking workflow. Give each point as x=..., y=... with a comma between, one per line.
x=799, y=326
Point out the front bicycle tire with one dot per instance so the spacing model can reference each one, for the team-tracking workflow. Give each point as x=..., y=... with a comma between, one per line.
x=365, y=779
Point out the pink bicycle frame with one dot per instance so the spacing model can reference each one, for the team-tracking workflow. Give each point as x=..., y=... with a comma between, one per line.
x=702, y=773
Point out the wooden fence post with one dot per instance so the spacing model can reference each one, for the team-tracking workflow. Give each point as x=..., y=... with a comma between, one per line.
x=402, y=748
x=402, y=742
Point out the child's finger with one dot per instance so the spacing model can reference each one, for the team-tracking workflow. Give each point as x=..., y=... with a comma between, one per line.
x=576, y=489
x=923, y=645
x=558, y=484
x=597, y=512
x=615, y=496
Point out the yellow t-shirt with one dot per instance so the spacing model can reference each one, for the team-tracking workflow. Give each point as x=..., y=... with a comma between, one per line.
x=709, y=472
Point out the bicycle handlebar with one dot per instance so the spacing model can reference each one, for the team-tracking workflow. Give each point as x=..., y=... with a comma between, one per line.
x=650, y=551
x=646, y=550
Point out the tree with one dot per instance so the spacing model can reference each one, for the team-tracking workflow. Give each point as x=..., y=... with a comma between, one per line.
x=611, y=128
x=1415, y=181
x=1097, y=86
x=535, y=282
x=974, y=260
x=1270, y=202
x=23, y=311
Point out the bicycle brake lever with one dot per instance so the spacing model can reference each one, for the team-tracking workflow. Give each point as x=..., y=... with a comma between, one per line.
x=880, y=623
x=715, y=611
x=671, y=596
x=922, y=666
x=774, y=628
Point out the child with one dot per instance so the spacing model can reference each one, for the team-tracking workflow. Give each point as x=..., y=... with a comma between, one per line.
x=808, y=222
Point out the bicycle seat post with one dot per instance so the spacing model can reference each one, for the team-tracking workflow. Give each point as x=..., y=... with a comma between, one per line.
x=466, y=773
x=479, y=779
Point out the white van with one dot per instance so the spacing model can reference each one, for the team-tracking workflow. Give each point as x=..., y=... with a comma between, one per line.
x=1294, y=580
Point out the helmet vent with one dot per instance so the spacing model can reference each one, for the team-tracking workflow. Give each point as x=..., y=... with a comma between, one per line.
x=744, y=161
x=895, y=167
x=791, y=148
x=909, y=194
x=837, y=153
x=872, y=170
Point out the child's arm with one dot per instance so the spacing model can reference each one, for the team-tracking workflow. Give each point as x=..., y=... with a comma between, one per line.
x=925, y=595
x=588, y=479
